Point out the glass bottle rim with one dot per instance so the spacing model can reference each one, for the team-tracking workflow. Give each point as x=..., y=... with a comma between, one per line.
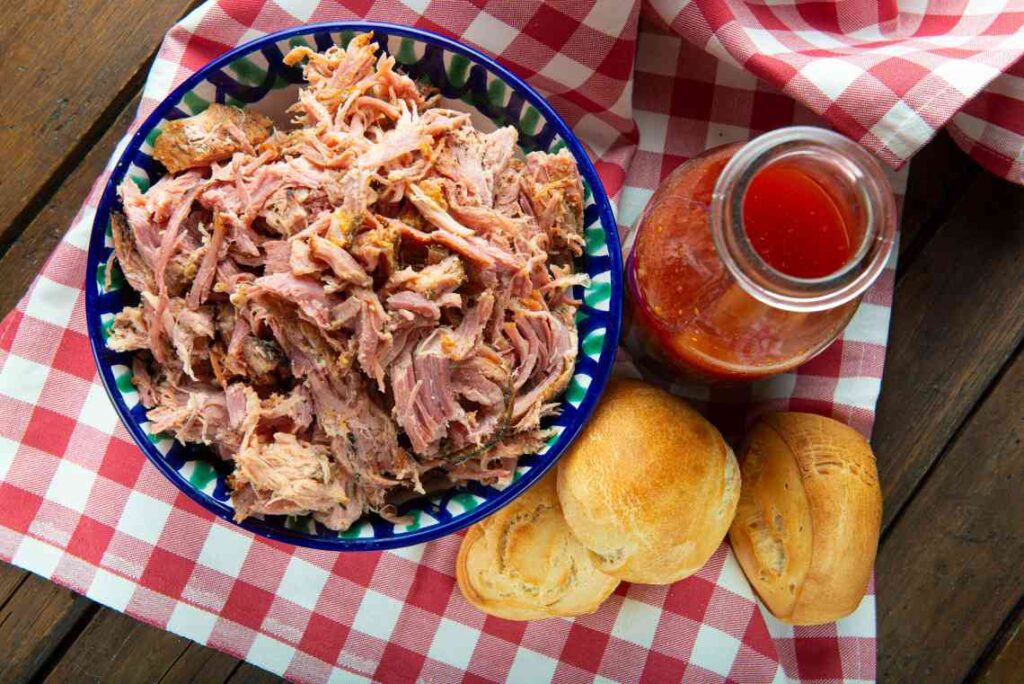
x=857, y=169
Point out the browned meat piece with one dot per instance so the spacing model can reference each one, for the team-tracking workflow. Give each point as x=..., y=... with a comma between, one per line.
x=214, y=135
x=553, y=190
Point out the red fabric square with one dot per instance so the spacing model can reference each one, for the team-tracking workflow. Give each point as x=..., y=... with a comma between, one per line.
x=242, y=11
x=551, y=27
x=17, y=507
x=357, y=567
x=324, y=638
x=48, y=431
x=122, y=463
x=509, y=630
x=662, y=668
x=470, y=678
x=935, y=24
x=584, y=648
x=247, y=605
x=399, y=664
x=90, y=539
x=166, y=572
x=692, y=99
x=900, y=75
x=818, y=658
x=74, y=355
x=200, y=51
x=430, y=590
x=770, y=111
x=9, y=329
x=690, y=597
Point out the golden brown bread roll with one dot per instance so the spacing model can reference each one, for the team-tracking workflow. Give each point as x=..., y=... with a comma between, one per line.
x=650, y=487
x=522, y=563
x=806, y=529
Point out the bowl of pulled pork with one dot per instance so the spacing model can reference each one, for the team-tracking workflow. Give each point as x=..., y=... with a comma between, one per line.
x=353, y=286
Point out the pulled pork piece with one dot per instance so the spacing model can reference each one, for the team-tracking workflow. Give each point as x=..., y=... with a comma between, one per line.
x=214, y=135
x=356, y=310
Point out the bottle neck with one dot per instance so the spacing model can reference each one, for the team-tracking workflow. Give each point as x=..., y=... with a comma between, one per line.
x=854, y=183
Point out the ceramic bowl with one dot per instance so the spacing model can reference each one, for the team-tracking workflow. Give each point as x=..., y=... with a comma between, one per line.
x=253, y=75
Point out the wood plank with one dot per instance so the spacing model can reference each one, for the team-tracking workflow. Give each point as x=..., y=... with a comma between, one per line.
x=952, y=568
x=116, y=648
x=10, y=579
x=1006, y=665
x=957, y=317
x=26, y=256
x=250, y=674
x=200, y=665
x=34, y=623
x=61, y=92
x=938, y=175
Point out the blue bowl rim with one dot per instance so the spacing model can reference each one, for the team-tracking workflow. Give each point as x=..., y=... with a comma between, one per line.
x=489, y=506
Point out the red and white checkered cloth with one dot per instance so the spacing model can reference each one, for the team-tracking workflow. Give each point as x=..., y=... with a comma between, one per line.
x=80, y=504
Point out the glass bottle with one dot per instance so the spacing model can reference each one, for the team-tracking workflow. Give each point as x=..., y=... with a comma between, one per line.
x=752, y=258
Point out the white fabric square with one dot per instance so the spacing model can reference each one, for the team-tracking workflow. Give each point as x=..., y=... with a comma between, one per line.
x=98, y=410
x=52, y=302
x=22, y=379
x=657, y=53
x=870, y=324
x=653, y=130
x=377, y=615
x=859, y=623
x=192, y=623
x=111, y=590
x=766, y=43
x=8, y=447
x=339, y=676
x=490, y=33
x=596, y=134
x=777, y=387
x=302, y=583
x=453, y=643
x=418, y=6
x=858, y=391
x=631, y=203
x=161, y=79
x=225, y=550
x=300, y=9
x=81, y=229
x=732, y=76
x=819, y=39
x=776, y=628
x=270, y=654
x=636, y=622
x=37, y=556
x=976, y=7
x=714, y=650
x=831, y=76
x=71, y=485
x=143, y=517
x=530, y=666
x=566, y=71
x=902, y=130
x=412, y=553
x=723, y=134
x=966, y=76
x=609, y=16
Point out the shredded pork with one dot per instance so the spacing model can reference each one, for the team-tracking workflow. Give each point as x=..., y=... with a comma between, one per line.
x=379, y=294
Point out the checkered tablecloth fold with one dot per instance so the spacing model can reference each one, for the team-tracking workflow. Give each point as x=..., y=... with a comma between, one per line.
x=646, y=86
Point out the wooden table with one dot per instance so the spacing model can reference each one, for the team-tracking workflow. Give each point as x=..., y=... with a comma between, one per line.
x=949, y=437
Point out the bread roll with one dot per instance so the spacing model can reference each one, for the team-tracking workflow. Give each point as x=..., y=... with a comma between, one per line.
x=522, y=563
x=806, y=529
x=650, y=487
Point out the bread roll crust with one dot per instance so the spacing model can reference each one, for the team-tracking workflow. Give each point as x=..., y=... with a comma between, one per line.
x=650, y=486
x=523, y=563
x=807, y=525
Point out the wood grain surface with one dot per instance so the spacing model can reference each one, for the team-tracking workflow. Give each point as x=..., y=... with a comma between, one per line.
x=948, y=437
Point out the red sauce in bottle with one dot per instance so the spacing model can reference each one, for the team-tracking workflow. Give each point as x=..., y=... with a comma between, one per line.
x=794, y=224
x=686, y=310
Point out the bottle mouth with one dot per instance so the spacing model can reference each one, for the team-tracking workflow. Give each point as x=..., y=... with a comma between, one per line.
x=856, y=185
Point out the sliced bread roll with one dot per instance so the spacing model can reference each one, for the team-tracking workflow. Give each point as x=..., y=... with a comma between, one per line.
x=806, y=529
x=523, y=563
